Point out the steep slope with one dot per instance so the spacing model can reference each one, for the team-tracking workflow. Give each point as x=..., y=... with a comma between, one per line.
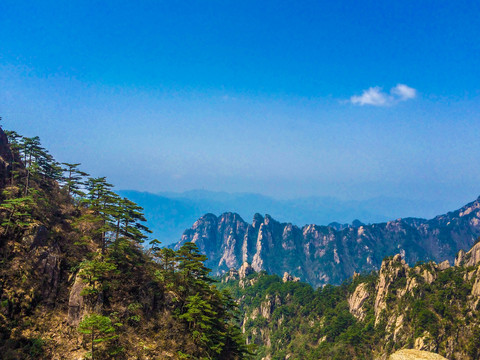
x=429, y=308
x=323, y=254
x=75, y=282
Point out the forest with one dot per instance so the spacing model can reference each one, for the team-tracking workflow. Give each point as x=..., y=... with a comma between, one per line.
x=73, y=259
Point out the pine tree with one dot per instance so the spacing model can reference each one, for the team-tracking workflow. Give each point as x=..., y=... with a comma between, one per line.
x=18, y=211
x=73, y=179
x=100, y=329
x=15, y=142
x=102, y=204
x=96, y=273
x=190, y=265
x=128, y=218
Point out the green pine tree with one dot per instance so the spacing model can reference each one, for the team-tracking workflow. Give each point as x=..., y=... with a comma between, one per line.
x=99, y=328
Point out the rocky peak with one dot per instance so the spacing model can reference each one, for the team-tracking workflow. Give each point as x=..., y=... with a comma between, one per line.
x=469, y=208
x=391, y=270
x=205, y=219
x=257, y=220
x=288, y=277
x=230, y=219
x=460, y=258
x=245, y=270
x=470, y=258
x=267, y=219
x=337, y=226
x=357, y=223
x=444, y=265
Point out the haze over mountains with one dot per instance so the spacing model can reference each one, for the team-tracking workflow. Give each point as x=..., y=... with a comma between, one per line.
x=169, y=213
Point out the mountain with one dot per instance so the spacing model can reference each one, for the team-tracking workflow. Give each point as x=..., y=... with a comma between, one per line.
x=75, y=282
x=425, y=310
x=169, y=214
x=329, y=254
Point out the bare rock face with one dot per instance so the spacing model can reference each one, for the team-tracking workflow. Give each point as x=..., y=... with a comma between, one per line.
x=425, y=342
x=257, y=262
x=391, y=270
x=75, y=302
x=476, y=284
x=444, y=265
x=245, y=270
x=231, y=276
x=356, y=301
x=288, y=277
x=470, y=258
x=411, y=354
x=460, y=259
x=47, y=261
x=269, y=305
x=49, y=267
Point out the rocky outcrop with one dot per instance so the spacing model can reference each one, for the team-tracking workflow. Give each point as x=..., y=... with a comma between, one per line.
x=460, y=258
x=470, y=258
x=48, y=267
x=390, y=271
x=425, y=342
x=411, y=354
x=75, y=302
x=232, y=275
x=331, y=254
x=268, y=306
x=476, y=284
x=245, y=270
x=444, y=265
x=288, y=277
x=356, y=301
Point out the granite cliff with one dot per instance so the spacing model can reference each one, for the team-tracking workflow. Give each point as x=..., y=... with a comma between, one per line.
x=329, y=254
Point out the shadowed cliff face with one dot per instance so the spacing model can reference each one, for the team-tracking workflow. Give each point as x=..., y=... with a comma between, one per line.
x=323, y=254
x=7, y=159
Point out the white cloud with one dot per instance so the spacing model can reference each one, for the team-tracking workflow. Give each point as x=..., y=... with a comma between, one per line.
x=404, y=92
x=372, y=96
x=375, y=96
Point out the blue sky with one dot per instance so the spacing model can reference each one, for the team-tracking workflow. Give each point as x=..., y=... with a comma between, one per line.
x=352, y=99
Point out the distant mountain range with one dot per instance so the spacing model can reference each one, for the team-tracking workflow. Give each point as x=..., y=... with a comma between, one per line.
x=169, y=214
x=329, y=254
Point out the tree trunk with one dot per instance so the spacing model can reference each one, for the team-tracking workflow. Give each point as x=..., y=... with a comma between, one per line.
x=93, y=338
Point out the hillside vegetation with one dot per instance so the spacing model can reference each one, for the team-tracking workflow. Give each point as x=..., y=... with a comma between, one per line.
x=75, y=281
x=431, y=307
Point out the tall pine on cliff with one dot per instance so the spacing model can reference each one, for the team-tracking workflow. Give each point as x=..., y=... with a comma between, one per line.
x=75, y=281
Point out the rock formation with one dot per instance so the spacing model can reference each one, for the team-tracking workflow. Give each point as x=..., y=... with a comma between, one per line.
x=330, y=254
x=356, y=301
x=410, y=354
